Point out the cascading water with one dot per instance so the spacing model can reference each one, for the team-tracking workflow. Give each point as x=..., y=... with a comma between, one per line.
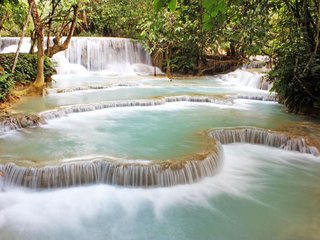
x=110, y=56
x=9, y=44
x=97, y=54
x=164, y=174
x=248, y=79
x=263, y=137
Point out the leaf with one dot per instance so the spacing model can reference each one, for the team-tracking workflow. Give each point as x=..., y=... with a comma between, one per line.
x=158, y=4
x=172, y=5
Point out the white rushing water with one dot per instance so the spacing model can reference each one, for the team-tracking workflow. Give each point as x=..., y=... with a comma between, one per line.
x=113, y=56
x=108, y=56
x=246, y=78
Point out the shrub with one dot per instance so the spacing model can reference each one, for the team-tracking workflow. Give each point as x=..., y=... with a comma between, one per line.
x=26, y=68
x=296, y=79
x=6, y=83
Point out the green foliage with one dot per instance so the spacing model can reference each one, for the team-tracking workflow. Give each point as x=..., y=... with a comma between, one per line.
x=158, y=4
x=6, y=83
x=12, y=1
x=296, y=75
x=120, y=18
x=26, y=68
x=214, y=11
x=292, y=80
x=12, y=14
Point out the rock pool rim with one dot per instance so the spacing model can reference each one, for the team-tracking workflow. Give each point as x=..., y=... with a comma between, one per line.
x=149, y=174
x=266, y=137
x=16, y=121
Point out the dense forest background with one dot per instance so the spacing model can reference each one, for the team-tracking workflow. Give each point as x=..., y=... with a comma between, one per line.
x=189, y=36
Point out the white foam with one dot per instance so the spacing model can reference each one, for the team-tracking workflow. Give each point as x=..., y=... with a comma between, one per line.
x=23, y=210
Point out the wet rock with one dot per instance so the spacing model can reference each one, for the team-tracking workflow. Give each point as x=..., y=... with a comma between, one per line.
x=18, y=120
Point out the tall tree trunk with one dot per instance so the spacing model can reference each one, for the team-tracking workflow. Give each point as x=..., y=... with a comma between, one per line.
x=26, y=21
x=33, y=41
x=39, y=81
x=168, y=60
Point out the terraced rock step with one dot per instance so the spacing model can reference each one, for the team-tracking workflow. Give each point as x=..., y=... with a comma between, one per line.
x=161, y=174
x=18, y=121
x=64, y=111
x=91, y=87
x=263, y=137
x=270, y=98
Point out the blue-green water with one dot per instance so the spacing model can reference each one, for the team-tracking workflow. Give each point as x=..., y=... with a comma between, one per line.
x=162, y=132
x=259, y=193
x=139, y=88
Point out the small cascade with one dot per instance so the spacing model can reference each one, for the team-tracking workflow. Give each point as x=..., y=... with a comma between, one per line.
x=263, y=137
x=64, y=111
x=247, y=79
x=270, y=98
x=162, y=174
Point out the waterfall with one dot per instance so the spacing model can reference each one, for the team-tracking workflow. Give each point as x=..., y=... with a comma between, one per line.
x=97, y=53
x=111, y=55
x=118, y=55
x=263, y=137
x=162, y=174
x=9, y=44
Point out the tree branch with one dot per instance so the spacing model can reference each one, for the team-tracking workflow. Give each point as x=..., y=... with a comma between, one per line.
x=57, y=47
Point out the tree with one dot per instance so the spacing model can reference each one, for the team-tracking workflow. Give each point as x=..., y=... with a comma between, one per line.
x=296, y=75
x=39, y=81
x=56, y=21
x=185, y=35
